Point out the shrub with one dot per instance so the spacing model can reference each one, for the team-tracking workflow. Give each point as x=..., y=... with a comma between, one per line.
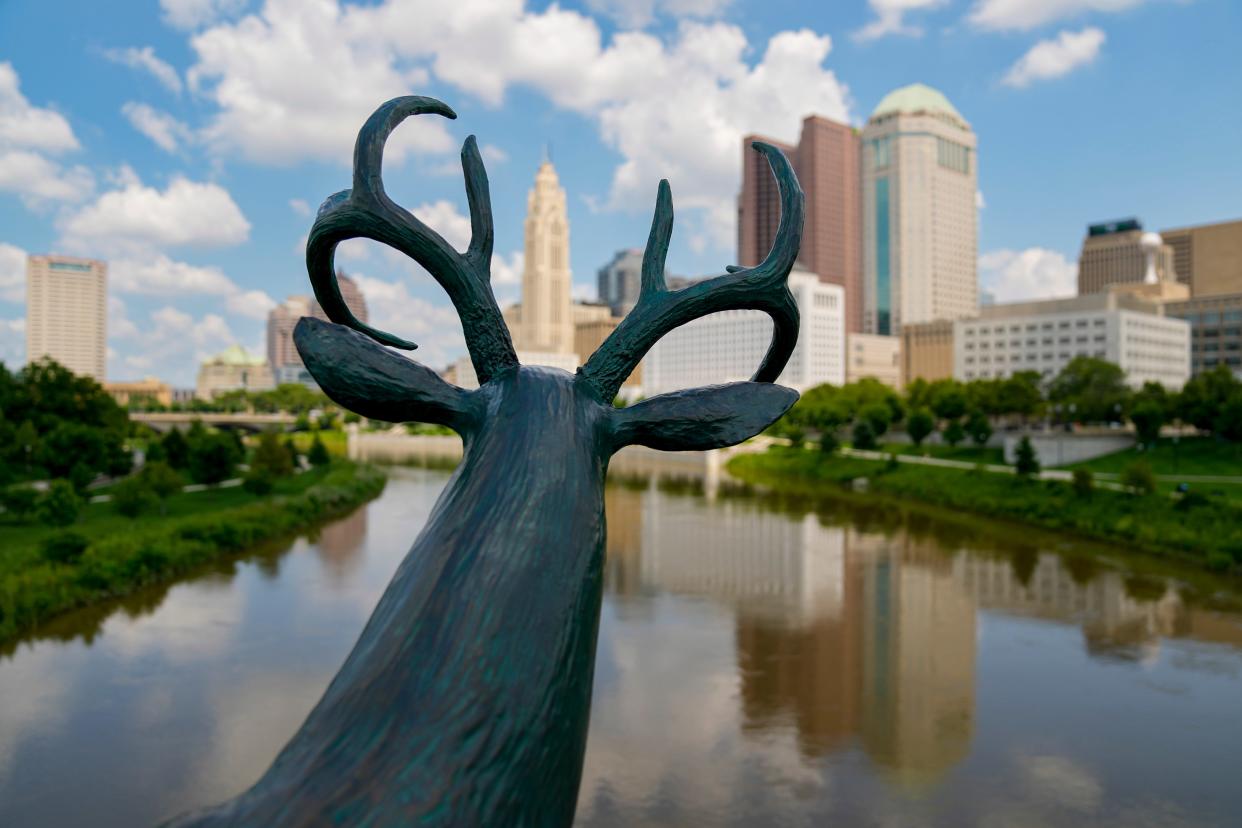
x=64, y=547
x=318, y=454
x=132, y=496
x=1138, y=478
x=1084, y=482
x=60, y=504
x=877, y=415
x=19, y=501
x=828, y=442
x=1191, y=500
x=176, y=449
x=1026, y=463
x=919, y=424
x=864, y=436
x=212, y=458
x=292, y=450
x=271, y=457
x=258, y=481
x=979, y=427
x=954, y=433
x=162, y=480
x=795, y=433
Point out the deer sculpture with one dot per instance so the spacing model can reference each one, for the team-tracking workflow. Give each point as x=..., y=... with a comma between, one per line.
x=466, y=699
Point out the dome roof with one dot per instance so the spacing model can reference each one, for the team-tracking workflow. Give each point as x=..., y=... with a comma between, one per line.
x=236, y=355
x=917, y=97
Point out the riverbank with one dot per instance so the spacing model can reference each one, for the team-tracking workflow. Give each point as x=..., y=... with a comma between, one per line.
x=1204, y=531
x=124, y=555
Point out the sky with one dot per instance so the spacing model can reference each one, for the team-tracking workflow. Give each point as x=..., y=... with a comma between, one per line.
x=189, y=142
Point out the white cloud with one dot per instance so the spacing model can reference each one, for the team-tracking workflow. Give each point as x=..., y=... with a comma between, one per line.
x=26, y=126
x=166, y=131
x=890, y=18
x=119, y=324
x=186, y=213
x=13, y=342
x=190, y=14
x=146, y=60
x=1033, y=273
x=638, y=13
x=493, y=154
x=442, y=216
x=37, y=178
x=1029, y=14
x=507, y=270
x=1055, y=57
x=300, y=207
x=158, y=275
x=170, y=344
x=435, y=328
x=12, y=273
x=296, y=80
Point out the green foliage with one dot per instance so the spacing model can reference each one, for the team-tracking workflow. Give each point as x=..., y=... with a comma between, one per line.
x=133, y=497
x=292, y=450
x=351, y=417
x=271, y=457
x=1147, y=417
x=64, y=547
x=954, y=433
x=1083, y=482
x=919, y=424
x=1094, y=388
x=318, y=454
x=878, y=415
x=303, y=422
x=828, y=442
x=864, y=436
x=162, y=479
x=258, y=481
x=979, y=427
x=213, y=458
x=1026, y=463
x=794, y=432
x=177, y=449
x=1228, y=423
x=1204, y=396
x=947, y=398
x=1138, y=478
x=60, y=504
x=19, y=501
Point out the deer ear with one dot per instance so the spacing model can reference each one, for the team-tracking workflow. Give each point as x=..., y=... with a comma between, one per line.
x=714, y=416
x=365, y=377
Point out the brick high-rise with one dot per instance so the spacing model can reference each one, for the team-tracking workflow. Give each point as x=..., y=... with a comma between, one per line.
x=826, y=159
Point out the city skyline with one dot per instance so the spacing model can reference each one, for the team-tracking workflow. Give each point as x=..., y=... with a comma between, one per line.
x=130, y=146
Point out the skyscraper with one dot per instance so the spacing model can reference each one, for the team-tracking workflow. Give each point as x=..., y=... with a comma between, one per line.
x=545, y=322
x=282, y=319
x=826, y=160
x=1208, y=257
x=66, y=312
x=1112, y=255
x=920, y=221
x=619, y=281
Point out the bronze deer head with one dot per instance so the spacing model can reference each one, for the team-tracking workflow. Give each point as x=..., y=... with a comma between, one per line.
x=467, y=697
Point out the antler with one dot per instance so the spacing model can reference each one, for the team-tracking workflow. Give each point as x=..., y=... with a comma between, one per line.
x=367, y=211
x=759, y=288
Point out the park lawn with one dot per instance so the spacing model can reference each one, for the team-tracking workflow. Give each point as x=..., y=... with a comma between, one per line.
x=336, y=442
x=967, y=453
x=1191, y=455
x=19, y=543
x=1208, y=534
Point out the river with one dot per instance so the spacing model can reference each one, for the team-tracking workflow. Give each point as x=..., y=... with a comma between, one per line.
x=760, y=662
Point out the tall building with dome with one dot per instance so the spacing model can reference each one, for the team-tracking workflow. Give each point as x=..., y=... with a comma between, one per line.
x=233, y=369
x=920, y=217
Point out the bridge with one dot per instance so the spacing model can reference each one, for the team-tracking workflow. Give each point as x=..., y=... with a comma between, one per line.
x=168, y=420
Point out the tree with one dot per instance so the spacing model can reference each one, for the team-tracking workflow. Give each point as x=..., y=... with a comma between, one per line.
x=953, y=433
x=132, y=497
x=828, y=442
x=1083, y=482
x=1147, y=417
x=60, y=504
x=1026, y=463
x=1138, y=478
x=176, y=449
x=979, y=427
x=1228, y=422
x=19, y=501
x=291, y=448
x=272, y=457
x=948, y=399
x=1020, y=394
x=878, y=415
x=864, y=436
x=163, y=481
x=919, y=424
x=1093, y=389
x=212, y=458
x=1204, y=396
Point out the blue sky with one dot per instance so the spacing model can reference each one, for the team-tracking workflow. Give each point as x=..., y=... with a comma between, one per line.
x=188, y=141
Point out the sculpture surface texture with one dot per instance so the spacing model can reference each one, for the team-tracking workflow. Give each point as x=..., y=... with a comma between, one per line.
x=466, y=699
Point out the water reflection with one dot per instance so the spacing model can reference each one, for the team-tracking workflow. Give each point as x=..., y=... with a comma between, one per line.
x=762, y=661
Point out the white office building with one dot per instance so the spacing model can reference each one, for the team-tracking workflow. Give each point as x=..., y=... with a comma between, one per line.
x=1044, y=336
x=67, y=313
x=729, y=346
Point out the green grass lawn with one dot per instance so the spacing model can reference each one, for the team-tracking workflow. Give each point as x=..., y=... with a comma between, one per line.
x=19, y=542
x=335, y=441
x=1191, y=455
x=965, y=452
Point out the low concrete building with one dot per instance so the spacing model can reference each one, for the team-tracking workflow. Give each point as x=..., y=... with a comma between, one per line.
x=234, y=369
x=149, y=390
x=729, y=346
x=927, y=351
x=875, y=356
x=1215, y=331
x=1044, y=336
